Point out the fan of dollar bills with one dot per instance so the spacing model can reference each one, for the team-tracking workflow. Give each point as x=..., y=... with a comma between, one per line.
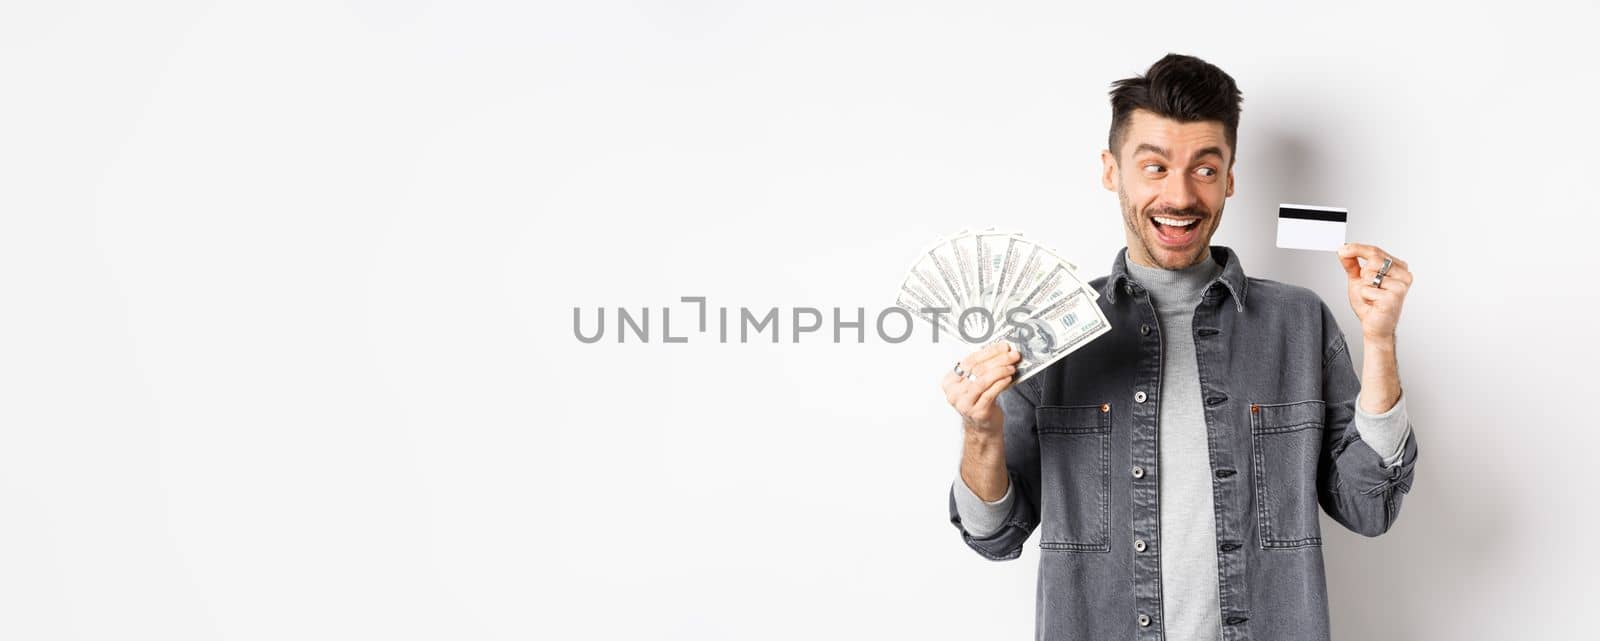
x=987, y=286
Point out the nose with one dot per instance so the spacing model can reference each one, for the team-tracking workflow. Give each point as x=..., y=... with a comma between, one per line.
x=1178, y=194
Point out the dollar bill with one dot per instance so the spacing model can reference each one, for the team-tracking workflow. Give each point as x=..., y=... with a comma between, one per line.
x=994, y=285
x=1055, y=331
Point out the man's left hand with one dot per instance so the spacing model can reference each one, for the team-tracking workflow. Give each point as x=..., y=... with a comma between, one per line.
x=1377, y=307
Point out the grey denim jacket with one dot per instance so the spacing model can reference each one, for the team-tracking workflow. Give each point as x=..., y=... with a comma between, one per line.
x=1279, y=393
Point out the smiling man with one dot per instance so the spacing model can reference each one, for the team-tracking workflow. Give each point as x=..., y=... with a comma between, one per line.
x=1175, y=466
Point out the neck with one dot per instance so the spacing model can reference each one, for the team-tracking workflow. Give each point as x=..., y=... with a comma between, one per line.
x=1145, y=260
x=1176, y=287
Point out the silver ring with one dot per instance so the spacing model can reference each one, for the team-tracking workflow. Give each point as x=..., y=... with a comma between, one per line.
x=1377, y=281
x=958, y=370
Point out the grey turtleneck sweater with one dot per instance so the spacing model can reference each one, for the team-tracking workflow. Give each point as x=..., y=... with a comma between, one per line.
x=1191, y=606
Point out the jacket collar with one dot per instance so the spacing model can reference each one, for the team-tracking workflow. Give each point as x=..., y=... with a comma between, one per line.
x=1232, y=277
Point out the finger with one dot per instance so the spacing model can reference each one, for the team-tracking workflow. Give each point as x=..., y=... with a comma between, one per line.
x=972, y=359
x=956, y=386
x=963, y=393
x=1358, y=250
x=973, y=390
x=993, y=374
x=952, y=392
x=1352, y=267
x=1398, y=271
x=1396, y=274
x=1372, y=254
x=1363, y=250
x=948, y=382
x=952, y=383
x=981, y=380
x=994, y=391
x=1397, y=262
x=964, y=367
x=997, y=381
x=960, y=399
x=1396, y=286
x=998, y=360
x=1375, y=294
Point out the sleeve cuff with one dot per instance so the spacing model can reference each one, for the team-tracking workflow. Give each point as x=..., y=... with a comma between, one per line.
x=1386, y=432
x=981, y=518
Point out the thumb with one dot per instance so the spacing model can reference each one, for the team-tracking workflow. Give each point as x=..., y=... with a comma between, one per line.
x=1352, y=265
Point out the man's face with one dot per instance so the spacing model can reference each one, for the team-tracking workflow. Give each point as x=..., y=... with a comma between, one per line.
x=1170, y=172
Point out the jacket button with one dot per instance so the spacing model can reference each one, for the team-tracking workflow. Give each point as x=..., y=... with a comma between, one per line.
x=1255, y=409
x=1138, y=472
x=1138, y=397
x=1105, y=407
x=1144, y=620
x=1138, y=544
x=1144, y=329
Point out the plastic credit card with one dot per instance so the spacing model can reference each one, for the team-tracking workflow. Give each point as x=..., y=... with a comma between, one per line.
x=1311, y=227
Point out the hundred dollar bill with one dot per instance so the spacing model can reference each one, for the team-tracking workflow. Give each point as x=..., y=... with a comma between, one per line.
x=1056, y=285
x=942, y=259
x=995, y=251
x=997, y=285
x=924, y=277
x=1022, y=275
x=933, y=283
x=965, y=249
x=916, y=299
x=1056, y=331
x=1036, y=266
x=1072, y=270
x=1026, y=275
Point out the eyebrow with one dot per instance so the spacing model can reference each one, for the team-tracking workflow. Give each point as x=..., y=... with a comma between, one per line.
x=1145, y=146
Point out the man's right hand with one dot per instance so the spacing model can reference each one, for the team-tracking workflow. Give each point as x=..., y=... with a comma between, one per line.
x=992, y=368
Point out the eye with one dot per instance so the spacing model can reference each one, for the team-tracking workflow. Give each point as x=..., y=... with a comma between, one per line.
x=1213, y=171
x=1147, y=168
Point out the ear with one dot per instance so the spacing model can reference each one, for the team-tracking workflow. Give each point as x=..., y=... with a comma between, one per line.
x=1108, y=175
x=1230, y=180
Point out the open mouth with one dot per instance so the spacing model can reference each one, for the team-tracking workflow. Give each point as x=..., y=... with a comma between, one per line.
x=1176, y=231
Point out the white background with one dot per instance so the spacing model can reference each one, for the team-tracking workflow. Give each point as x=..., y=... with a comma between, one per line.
x=286, y=297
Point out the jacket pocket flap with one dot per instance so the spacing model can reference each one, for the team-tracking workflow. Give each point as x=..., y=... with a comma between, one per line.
x=1073, y=419
x=1287, y=417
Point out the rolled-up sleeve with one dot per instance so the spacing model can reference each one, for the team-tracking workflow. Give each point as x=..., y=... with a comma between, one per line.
x=1386, y=432
x=981, y=517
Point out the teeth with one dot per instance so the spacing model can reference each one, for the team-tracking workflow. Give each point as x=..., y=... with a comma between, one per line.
x=1171, y=222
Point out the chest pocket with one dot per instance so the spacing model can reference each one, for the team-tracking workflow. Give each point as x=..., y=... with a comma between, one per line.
x=1287, y=446
x=1075, y=477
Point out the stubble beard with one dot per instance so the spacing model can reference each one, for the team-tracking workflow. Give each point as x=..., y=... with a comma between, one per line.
x=1140, y=225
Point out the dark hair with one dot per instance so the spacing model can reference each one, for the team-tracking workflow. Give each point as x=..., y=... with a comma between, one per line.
x=1183, y=88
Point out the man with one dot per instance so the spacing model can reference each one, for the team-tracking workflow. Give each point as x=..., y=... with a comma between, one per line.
x=1175, y=466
